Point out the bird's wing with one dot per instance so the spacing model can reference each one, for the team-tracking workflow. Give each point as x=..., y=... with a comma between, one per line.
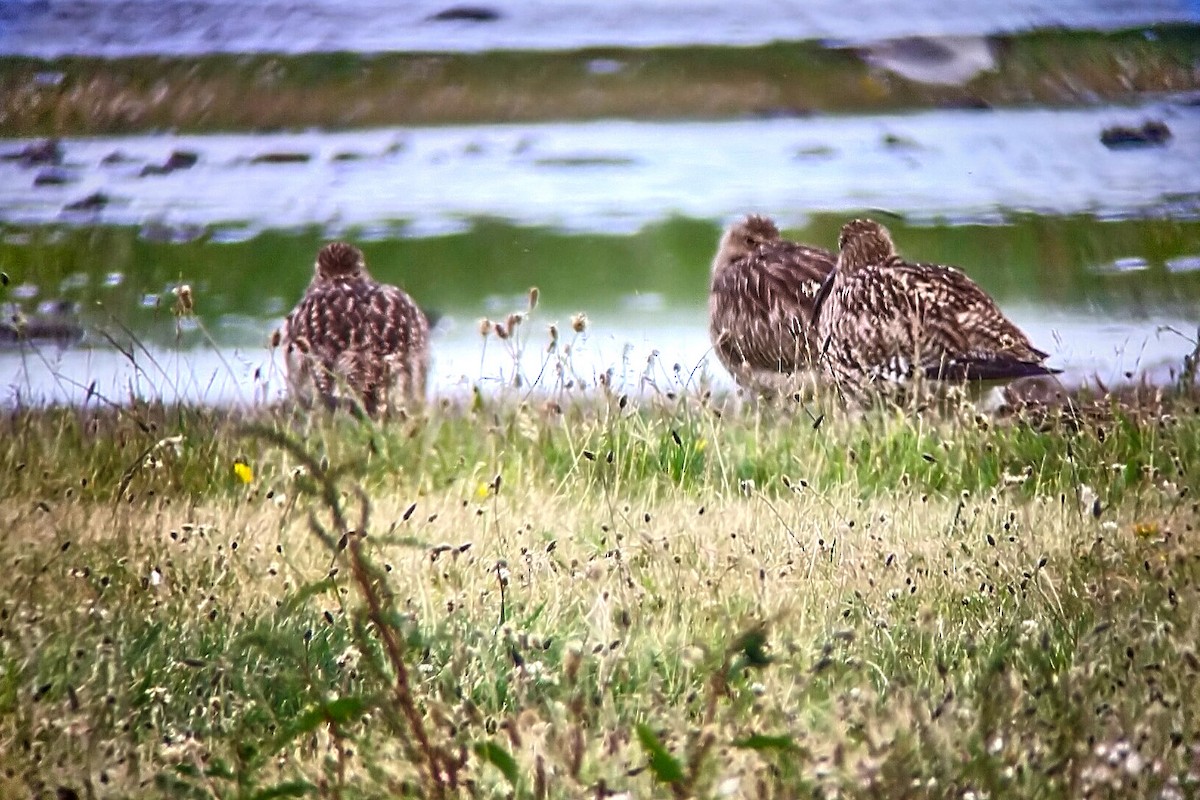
x=322, y=319
x=1000, y=368
x=766, y=304
x=392, y=322
x=959, y=319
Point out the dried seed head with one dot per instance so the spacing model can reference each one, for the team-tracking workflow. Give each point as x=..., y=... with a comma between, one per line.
x=184, y=301
x=573, y=660
x=485, y=326
x=276, y=338
x=501, y=331
x=579, y=322
x=533, y=297
x=514, y=320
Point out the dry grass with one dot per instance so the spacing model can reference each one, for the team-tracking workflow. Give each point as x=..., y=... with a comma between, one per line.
x=263, y=92
x=535, y=617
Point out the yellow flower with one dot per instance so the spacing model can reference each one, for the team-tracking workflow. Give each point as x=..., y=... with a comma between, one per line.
x=701, y=444
x=1145, y=529
x=482, y=491
x=243, y=471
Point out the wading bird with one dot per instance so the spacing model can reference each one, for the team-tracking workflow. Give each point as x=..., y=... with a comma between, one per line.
x=761, y=304
x=886, y=325
x=350, y=332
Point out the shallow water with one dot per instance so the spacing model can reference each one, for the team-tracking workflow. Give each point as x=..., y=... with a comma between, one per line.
x=49, y=28
x=1094, y=251
x=1110, y=300
x=617, y=176
x=642, y=350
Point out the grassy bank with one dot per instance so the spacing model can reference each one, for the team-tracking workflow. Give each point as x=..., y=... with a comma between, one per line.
x=85, y=96
x=599, y=596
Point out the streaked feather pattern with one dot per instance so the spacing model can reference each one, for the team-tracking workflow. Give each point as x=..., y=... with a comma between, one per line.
x=350, y=332
x=761, y=301
x=883, y=320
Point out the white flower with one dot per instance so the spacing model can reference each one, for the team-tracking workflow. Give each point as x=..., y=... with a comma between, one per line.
x=1087, y=496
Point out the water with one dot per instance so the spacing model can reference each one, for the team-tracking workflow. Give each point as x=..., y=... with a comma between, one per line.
x=111, y=28
x=1066, y=280
x=617, y=176
x=642, y=351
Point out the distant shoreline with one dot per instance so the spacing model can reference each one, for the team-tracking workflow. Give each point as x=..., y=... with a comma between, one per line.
x=89, y=96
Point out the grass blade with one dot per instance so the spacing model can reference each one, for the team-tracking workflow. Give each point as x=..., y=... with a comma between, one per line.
x=499, y=758
x=664, y=765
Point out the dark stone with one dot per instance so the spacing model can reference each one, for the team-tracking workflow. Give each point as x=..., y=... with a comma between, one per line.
x=52, y=176
x=281, y=158
x=93, y=202
x=179, y=159
x=1153, y=133
x=466, y=14
x=898, y=142
x=47, y=151
x=115, y=157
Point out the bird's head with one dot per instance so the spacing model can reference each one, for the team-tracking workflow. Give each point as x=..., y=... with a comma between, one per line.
x=743, y=238
x=863, y=243
x=340, y=261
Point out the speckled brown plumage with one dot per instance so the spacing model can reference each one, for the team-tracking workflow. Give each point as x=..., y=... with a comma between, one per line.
x=761, y=302
x=351, y=332
x=883, y=322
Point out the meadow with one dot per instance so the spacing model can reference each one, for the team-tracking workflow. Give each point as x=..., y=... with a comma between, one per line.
x=581, y=592
x=569, y=588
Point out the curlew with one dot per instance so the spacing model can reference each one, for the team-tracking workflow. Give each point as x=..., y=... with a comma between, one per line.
x=761, y=303
x=350, y=332
x=886, y=324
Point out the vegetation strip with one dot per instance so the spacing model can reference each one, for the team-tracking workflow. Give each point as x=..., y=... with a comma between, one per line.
x=88, y=96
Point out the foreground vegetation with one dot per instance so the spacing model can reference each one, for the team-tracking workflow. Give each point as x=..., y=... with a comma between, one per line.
x=88, y=96
x=601, y=596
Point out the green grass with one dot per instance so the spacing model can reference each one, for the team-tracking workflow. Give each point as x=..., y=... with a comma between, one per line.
x=263, y=92
x=669, y=444
x=924, y=607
